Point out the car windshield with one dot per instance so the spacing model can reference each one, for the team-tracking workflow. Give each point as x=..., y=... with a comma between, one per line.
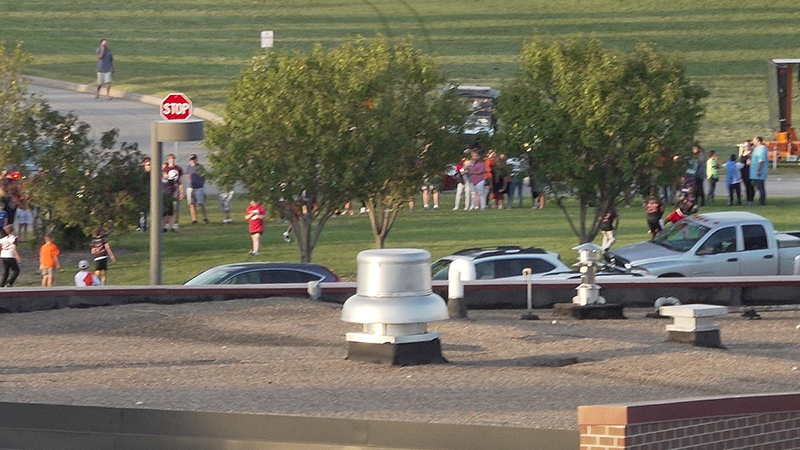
x=210, y=276
x=681, y=236
x=440, y=268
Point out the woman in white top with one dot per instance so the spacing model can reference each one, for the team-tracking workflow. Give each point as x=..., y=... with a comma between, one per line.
x=10, y=257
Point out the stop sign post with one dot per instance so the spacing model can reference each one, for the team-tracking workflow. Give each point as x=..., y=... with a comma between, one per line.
x=176, y=106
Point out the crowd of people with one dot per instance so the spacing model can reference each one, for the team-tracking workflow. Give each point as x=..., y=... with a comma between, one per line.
x=493, y=180
x=748, y=169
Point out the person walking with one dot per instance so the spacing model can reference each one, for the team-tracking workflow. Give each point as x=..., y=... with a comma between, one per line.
x=254, y=215
x=101, y=251
x=733, y=179
x=9, y=256
x=48, y=260
x=105, y=68
x=195, y=193
x=758, y=169
x=85, y=278
x=608, y=226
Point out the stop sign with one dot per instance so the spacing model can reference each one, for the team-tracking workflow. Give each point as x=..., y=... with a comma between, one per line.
x=176, y=107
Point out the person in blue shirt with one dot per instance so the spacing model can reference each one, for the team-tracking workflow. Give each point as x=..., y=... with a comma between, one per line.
x=758, y=168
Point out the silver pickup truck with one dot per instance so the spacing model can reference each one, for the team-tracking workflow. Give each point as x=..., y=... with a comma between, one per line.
x=713, y=244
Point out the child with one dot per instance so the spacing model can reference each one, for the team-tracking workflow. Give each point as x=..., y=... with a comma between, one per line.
x=84, y=277
x=686, y=207
x=733, y=179
x=608, y=226
x=48, y=260
x=255, y=217
x=9, y=256
x=654, y=210
x=101, y=250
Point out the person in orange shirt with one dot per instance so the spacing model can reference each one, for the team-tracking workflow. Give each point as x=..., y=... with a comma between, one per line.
x=48, y=260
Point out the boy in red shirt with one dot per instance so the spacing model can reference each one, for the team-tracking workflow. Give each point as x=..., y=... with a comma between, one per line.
x=48, y=260
x=254, y=215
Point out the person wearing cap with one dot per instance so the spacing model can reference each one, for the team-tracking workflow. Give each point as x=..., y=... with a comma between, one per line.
x=165, y=171
x=84, y=277
x=195, y=192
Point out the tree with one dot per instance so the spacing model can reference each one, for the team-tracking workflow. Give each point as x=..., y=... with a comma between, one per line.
x=15, y=109
x=311, y=131
x=600, y=125
x=80, y=184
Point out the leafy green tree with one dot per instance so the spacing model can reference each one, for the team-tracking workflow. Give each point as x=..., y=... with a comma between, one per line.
x=311, y=131
x=600, y=125
x=15, y=109
x=81, y=184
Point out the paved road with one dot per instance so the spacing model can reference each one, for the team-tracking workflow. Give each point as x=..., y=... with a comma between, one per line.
x=134, y=114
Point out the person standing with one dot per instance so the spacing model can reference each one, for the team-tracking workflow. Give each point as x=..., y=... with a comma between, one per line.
x=733, y=179
x=105, y=68
x=84, y=277
x=750, y=192
x=165, y=173
x=48, y=260
x=608, y=226
x=712, y=173
x=195, y=193
x=758, y=169
x=699, y=173
x=478, y=180
x=101, y=251
x=519, y=171
x=254, y=215
x=225, y=200
x=462, y=190
x=9, y=256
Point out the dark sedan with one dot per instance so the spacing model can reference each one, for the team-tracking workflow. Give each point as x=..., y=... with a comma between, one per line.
x=263, y=273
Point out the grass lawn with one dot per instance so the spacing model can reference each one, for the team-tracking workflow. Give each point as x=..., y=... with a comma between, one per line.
x=198, y=46
x=196, y=247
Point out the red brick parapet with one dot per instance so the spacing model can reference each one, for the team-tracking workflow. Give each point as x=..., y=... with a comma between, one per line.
x=769, y=421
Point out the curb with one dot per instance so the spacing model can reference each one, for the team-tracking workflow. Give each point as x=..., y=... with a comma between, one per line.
x=116, y=93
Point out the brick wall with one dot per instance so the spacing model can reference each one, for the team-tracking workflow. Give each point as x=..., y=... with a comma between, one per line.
x=769, y=422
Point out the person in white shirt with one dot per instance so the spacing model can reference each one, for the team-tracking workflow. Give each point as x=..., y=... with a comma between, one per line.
x=9, y=256
x=84, y=277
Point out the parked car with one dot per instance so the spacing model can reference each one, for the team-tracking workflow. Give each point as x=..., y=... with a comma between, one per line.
x=715, y=244
x=481, y=102
x=263, y=273
x=502, y=262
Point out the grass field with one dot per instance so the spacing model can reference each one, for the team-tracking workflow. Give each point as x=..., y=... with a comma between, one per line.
x=196, y=247
x=198, y=46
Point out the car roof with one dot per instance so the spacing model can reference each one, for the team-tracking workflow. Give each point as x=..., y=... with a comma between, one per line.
x=483, y=252
x=268, y=264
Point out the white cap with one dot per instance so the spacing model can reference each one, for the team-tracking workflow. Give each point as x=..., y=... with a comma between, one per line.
x=83, y=264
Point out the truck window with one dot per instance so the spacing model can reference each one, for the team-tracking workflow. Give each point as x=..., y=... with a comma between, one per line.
x=755, y=237
x=722, y=241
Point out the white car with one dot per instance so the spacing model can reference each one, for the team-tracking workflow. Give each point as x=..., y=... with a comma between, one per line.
x=503, y=262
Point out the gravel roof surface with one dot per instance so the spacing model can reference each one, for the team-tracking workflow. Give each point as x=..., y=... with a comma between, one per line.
x=287, y=356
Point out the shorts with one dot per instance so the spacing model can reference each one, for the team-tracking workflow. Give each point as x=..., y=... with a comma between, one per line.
x=225, y=199
x=101, y=263
x=103, y=78
x=48, y=271
x=196, y=196
x=256, y=232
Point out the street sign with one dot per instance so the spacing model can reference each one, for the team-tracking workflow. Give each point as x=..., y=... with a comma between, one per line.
x=267, y=38
x=176, y=107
